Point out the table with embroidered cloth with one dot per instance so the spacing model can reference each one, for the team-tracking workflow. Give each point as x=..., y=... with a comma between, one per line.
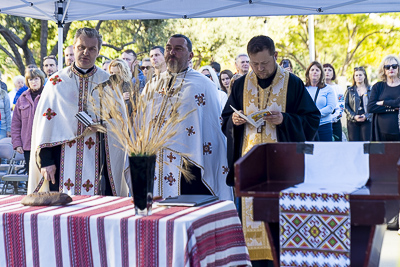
x=104, y=231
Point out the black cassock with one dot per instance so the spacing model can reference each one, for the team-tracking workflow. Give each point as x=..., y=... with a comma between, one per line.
x=300, y=120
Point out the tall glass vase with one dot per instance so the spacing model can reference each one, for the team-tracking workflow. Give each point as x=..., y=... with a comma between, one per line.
x=142, y=180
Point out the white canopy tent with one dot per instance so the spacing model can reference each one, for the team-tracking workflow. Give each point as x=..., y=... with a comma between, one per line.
x=63, y=11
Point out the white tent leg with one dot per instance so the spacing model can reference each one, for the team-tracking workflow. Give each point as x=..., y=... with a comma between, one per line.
x=60, y=47
x=311, y=41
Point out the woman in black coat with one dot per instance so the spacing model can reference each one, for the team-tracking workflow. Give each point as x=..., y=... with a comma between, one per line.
x=385, y=101
x=356, y=100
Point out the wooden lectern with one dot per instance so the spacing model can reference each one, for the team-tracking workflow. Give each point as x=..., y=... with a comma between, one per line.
x=269, y=168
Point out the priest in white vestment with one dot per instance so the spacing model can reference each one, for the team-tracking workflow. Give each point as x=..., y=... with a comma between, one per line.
x=65, y=153
x=199, y=136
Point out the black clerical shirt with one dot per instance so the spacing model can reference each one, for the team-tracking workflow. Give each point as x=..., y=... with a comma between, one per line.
x=300, y=119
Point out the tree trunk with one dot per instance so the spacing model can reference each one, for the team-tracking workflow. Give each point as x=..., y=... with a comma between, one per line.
x=15, y=43
x=44, y=32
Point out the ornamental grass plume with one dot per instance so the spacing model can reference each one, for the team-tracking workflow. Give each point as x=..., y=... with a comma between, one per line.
x=152, y=124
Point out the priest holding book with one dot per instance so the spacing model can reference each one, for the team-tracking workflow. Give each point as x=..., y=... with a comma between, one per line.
x=67, y=156
x=293, y=118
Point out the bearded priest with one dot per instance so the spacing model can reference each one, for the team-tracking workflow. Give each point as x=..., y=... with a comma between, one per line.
x=199, y=145
x=68, y=156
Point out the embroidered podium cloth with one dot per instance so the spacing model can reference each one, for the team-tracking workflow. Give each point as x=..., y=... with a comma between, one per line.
x=104, y=231
x=315, y=228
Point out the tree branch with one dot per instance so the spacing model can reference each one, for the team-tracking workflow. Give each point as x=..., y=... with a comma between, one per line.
x=120, y=48
x=98, y=25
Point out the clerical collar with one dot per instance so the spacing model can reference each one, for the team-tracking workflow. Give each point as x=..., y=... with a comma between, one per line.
x=264, y=83
x=82, y=71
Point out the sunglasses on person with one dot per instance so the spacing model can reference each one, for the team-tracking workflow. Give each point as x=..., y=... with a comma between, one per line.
x=394, y=66
x=145, y=67
x=207, y=75
x=358, y=68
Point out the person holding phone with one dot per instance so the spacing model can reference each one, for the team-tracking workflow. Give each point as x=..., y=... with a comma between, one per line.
x=287, y=65
x=356, y=101
x=385, y=101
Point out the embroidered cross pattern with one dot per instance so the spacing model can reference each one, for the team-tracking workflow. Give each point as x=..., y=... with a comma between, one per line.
x=71, y=143
x=56, y=79
x=200, y=99
x=170, y=179
x=171, y=157
x=87, y=185
x=69, y=184
x=49, y=114
x=225, y=169
x=90, y=143
x=190, y=131
x=207, y=149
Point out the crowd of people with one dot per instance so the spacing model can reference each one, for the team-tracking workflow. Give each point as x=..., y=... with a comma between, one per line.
x=371, y=111
x=62, y=154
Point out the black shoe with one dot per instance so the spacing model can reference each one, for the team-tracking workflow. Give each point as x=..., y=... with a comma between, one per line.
x=393, y=224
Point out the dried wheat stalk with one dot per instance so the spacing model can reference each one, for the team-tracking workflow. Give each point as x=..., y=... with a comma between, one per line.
x=152, y=124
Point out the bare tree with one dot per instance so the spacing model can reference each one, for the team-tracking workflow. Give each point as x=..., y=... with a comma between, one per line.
x=15, y=43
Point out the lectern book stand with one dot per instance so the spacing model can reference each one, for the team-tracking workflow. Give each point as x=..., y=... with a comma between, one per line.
x=269, y=168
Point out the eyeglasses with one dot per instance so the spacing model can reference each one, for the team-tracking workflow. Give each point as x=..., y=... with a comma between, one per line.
x=51, y=57
x=358, y=68
x=145, y=67
x=208, y=75
x=394, y=66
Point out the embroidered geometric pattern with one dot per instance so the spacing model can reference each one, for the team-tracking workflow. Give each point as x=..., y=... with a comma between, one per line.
x=207, y=149
x=49, y=114
x=200, y=99
x=315, y=229
x=225, y=169
x=110, y=174
x=87, y=185
x=90, y=143
x=170, y=179
x=70, y=144
x=190, y=131
x=171, y=157
x=69, y=184
x=55, y=80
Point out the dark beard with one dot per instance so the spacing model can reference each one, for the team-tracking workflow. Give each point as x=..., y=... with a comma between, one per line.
x=174, y=66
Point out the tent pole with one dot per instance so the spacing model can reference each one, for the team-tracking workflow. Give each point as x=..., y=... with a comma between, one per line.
x=311, y=41
x=60, y=46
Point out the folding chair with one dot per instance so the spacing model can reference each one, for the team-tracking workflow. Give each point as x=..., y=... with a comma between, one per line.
x=6, y=152
x=11, y=178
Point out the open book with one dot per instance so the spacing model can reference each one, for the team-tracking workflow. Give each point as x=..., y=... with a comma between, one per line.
x=83, y=117
x=255, y=118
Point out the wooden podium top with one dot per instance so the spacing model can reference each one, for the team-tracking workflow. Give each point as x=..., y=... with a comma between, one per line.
x=270, y=168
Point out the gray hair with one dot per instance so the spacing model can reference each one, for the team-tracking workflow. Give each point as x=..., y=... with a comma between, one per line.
x=240, y=55
x=381, y=70
x=91, y=33
x=18, y=78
